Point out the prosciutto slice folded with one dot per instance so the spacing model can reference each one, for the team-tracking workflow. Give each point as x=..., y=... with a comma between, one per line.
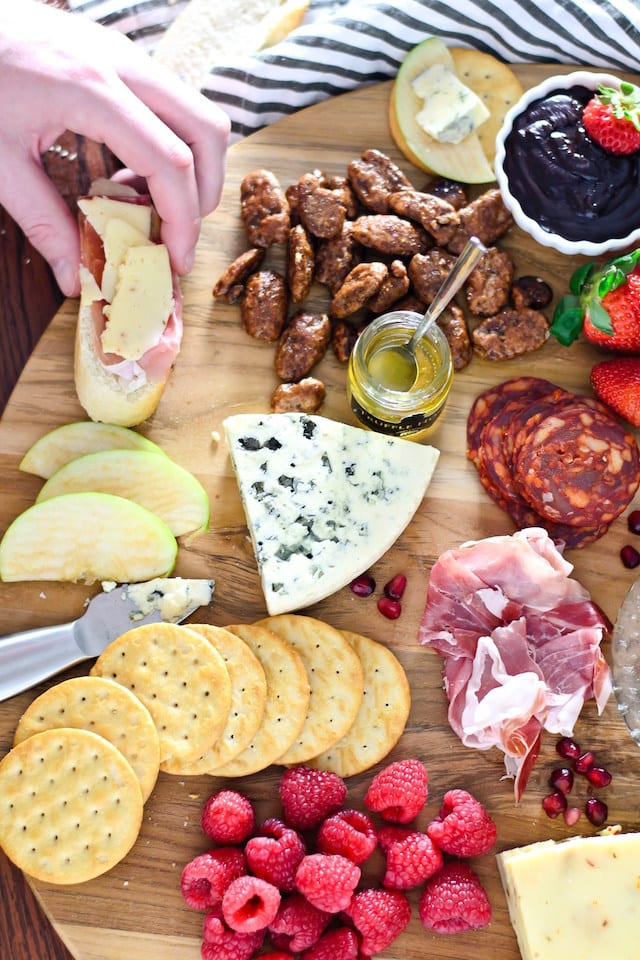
x=521, y=644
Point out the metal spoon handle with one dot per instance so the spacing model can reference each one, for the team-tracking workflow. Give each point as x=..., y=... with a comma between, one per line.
x=473, y=250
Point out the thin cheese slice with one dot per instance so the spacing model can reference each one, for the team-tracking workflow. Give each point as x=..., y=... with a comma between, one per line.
x=579, y=898
x=323, y=500
x=142, y=303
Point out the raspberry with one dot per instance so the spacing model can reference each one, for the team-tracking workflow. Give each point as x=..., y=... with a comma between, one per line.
x=399, y=791
x=250, y=904
x=308, y=796
x=297, y=924
x=327, y=881
x=379, y=916
x=338, y=944
x=221, y=943
x=454, y=900
x=275, y=853
x=463, y=827
x=206, y=877
x=349, y=833
x=389, y=835
x=276, y=955
x=411, y=861
x=228, y=817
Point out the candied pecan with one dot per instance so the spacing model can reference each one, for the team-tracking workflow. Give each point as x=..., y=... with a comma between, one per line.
x=389, y=234
x=321, y=210
x=436, y=215
x=531, y=292
x=230, y=285
x=264, y=307
x=486, y=218
x=300, y=263
x=342, y=189
x=428, y=272
x=343, y=338
x=449, y=190
x=302, y=344
x=373, y=177
x=412, y=303
x=487, y=288
x=305, y=396
x=336, y=257
x=454, y=326
x=395, y=286
x=510, y=333
x=264, y=209
x=358, y=287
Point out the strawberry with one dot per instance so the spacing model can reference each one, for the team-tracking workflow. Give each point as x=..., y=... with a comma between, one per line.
x=612, y=118
x=617, y=383
x=604, y=304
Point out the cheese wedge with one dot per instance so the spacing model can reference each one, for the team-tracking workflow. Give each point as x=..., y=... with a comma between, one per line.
x=578, y=898
x=323, y=500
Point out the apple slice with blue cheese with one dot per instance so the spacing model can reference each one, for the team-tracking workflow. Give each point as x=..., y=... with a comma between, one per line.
x=323, y=500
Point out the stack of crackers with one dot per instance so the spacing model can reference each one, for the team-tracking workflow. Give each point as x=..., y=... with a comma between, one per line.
x=188, y=700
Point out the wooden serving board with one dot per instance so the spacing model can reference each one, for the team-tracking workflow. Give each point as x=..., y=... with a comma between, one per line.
x=136, y=909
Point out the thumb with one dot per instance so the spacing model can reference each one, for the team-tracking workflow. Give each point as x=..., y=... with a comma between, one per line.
x=29, y=196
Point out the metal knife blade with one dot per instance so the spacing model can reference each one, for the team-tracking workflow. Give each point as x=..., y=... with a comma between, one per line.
x=625, y=655
x=30, y=656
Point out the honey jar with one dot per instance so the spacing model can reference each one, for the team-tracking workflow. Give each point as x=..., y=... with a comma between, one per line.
x=377, y=389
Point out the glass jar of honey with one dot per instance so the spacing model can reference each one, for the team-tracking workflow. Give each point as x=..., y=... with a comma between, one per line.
x=376, y=386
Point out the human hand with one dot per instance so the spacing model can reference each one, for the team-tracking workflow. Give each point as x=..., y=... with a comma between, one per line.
x=61, y=71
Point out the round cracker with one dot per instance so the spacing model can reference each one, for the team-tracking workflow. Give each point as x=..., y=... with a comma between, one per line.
x=180, y=678
x=248, y=697
x=335, y=677
x=70, y=805
x=286, y=704
x=382, y=715
x=106, y=708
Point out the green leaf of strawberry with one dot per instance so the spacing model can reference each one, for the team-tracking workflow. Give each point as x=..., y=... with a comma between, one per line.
x=590, y=284
x=617, y=383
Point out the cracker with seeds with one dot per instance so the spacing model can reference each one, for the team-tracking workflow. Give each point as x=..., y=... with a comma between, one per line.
x=335, y=677
x=106, y=708
x=286, y=704
x=180, y=678
x=382, y=715
x=70, y=805
x=248, y=697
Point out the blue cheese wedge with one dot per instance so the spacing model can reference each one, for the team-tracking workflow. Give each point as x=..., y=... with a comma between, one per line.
x=451, y=110
x=173, y=597
x=578, y=898
x=323, y=500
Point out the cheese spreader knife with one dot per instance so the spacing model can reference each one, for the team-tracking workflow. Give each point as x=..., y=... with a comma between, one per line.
x=30, y=656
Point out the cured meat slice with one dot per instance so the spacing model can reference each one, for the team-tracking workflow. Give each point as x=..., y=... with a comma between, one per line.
x=490, y=401
x=578, y=467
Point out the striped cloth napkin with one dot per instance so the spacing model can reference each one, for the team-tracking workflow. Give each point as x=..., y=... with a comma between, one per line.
x=344, y=44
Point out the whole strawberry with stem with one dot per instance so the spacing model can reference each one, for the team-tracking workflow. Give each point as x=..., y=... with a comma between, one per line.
x=604, y=304
x=616, y=383
x=612, y=118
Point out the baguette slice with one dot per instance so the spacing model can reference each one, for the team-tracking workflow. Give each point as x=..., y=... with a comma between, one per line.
x=208, y=33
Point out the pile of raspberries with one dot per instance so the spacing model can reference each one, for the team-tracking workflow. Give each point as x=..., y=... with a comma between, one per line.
x=291, y=885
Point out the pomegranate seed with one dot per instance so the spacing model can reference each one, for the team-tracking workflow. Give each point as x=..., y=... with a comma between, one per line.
x=630, y=557
x=562, y=779
x=568, y=748
x=596, y=811
x=633, y=521
x=584, y=762
x=391, y=609
x=571, y=816
x=395, y=587
x=554, y=804
x=599, y=776
x=363, y=586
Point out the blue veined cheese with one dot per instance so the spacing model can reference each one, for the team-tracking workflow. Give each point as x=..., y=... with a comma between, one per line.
x=323, y=500
x=173, y=597
x=451, y=110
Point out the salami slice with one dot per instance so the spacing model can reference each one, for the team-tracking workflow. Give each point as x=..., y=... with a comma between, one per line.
x=488, y=403
x=578, y=466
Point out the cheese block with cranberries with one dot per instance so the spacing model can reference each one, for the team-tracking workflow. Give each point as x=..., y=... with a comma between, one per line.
x=323, y=500
x=578, y=898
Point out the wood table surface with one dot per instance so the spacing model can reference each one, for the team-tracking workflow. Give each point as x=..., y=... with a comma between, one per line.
x=136, y=908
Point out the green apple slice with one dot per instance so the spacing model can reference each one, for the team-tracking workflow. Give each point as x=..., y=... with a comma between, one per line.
x=87, y=537
x=151, y=479
x=72, y=440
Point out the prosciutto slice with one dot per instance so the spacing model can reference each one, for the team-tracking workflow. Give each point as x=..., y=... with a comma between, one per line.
x=521, y=644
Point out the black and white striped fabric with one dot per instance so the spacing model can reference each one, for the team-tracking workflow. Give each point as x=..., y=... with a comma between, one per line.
x=344, y=44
